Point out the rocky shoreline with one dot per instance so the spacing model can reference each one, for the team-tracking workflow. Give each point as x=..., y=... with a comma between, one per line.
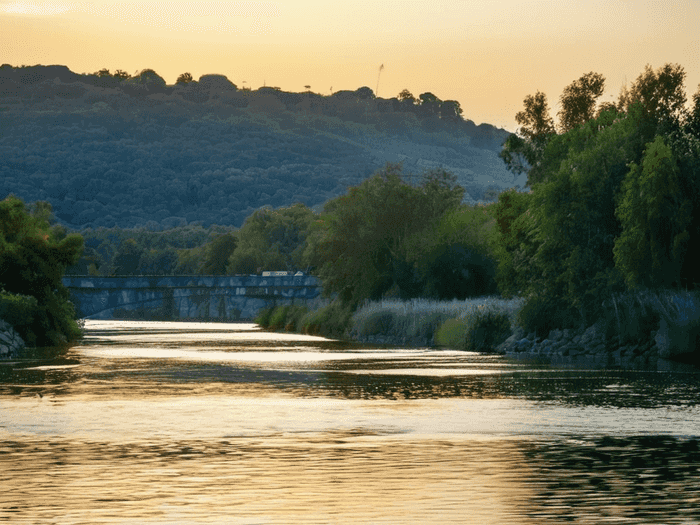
x=665, y=349
x=11, y=344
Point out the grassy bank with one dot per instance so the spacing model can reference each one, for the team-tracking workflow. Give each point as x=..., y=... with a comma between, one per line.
x=482, y=324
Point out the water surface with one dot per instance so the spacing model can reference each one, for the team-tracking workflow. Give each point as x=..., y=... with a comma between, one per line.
x=224, y=423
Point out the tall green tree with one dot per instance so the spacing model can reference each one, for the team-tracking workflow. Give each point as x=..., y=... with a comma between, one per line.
x=362, y=243
x=217, y=254
x=655, y=217
x=272, y=240
x=578, y=101
x=523, y=151
x=32, y=263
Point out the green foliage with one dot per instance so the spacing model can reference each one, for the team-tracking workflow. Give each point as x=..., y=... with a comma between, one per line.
x=376, y=323
x=263, y=317
x=32, y=262
x=655, y=217
x=272, y=240
x=419, y=320
x=278, y=317
x=578, y=100
x=332, y=320
x=126, y=260
x=293, y=320
x=359, y=249
x=522, y=152
x=660, y=94
x=452, y=334
x=513, y=251
x=217, y=253
x=485, y=330
x=20, y=311
x=541, y=314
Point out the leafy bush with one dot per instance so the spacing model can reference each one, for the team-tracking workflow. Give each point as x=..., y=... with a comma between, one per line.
x=421, y=319
x=295, y=313
x=20, y=311
x=452, y=333
x=263, y=317
x=377, y=322
x=485, y=330
x=543, y=314
x=332, y=320
x=278, y=317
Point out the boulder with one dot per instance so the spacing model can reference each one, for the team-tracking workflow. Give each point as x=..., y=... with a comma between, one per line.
x=11, y=343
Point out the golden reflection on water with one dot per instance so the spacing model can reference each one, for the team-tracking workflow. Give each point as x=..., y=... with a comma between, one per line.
x=314, y=478
x=223, y=423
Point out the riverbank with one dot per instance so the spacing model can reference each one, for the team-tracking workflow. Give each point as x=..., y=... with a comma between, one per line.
x=657, y=331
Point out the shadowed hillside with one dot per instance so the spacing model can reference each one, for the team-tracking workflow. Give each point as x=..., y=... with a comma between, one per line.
x=113, y=150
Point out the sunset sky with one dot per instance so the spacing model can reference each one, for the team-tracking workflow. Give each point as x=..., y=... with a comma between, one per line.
x=487, y=54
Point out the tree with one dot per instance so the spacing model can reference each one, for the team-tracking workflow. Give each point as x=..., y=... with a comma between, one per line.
x=272, y=240
x=655, y=217
x=429, y=104
x=451, y=110
x=184, y=78
x=126, y=260
x=32, y=264
x=523, y=150
x=121, y=75
x=103, y=73
x=360, y=249
x=661, y=95
x=217, y=253
x=406, y=95
x=579, y=99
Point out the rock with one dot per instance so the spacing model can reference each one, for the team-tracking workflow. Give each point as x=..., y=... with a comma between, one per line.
x=10, y=341
x=555, y=335
x=576, y=339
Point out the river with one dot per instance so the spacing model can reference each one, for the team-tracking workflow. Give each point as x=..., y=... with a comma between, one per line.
x=183, y=423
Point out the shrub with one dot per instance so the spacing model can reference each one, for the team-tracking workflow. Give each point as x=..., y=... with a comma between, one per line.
x=263, y=317
x=542, y=314
x=485, y=330
x=452, y=334
x=21, y=312
x=377, y=322
x=419, y=320
x=278, y=316
x=294, y=316
x=332, y=320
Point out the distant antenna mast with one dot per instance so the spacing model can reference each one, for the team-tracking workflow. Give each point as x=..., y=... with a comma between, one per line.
x=376, y=91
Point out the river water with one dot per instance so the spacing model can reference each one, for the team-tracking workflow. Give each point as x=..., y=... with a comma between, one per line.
x=223, y=423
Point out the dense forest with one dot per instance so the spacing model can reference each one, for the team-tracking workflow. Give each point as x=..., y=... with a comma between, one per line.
x=107, y=149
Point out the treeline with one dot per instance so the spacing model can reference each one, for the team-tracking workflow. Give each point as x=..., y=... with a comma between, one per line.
x=107, y=149
x=33, y=258
x=615, y=200
x=414, y=239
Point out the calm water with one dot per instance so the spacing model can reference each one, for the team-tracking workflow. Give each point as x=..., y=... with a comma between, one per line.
x=221, y=423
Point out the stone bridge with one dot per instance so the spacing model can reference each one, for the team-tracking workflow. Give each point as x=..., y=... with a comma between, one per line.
x=200, y=297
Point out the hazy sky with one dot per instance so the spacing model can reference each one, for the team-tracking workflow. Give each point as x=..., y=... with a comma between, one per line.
x=487, y=54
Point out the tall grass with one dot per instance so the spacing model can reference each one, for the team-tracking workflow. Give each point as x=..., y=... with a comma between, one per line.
x=418, y=320
x=631, y=316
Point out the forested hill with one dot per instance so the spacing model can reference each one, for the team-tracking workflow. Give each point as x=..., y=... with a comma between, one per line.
x=110, y=149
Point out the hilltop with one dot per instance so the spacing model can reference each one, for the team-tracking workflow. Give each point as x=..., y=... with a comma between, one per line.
x=113, y=150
